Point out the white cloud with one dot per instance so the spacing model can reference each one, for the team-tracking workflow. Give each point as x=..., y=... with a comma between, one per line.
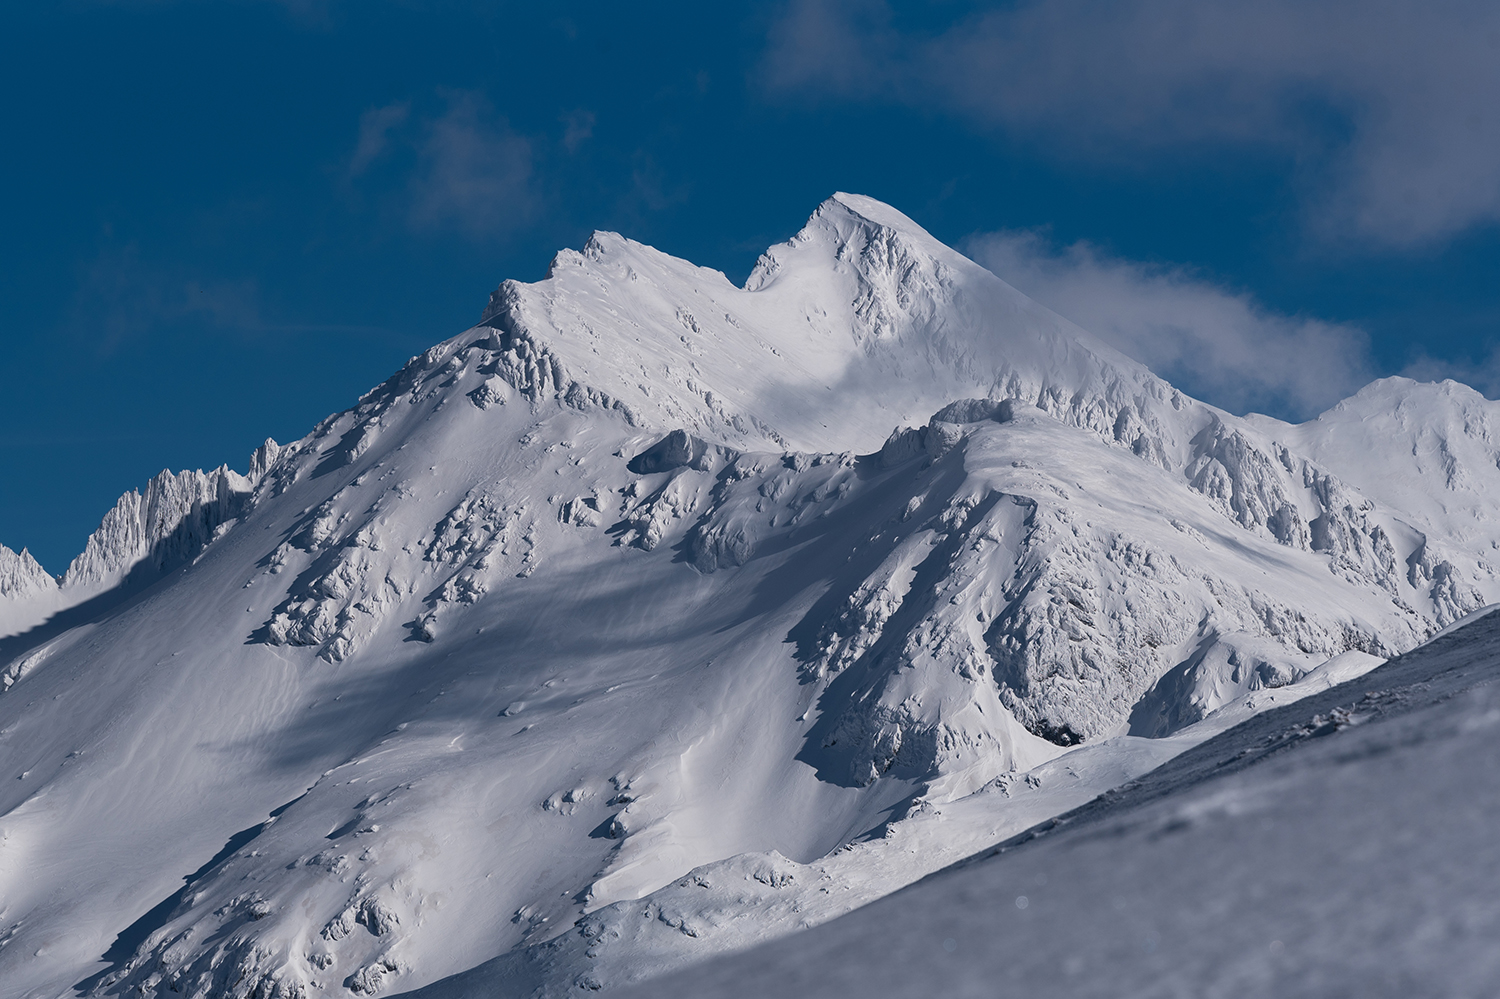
x=1215, y=344
x=375, y=127
x=1389, y=106
x=578, y=128
x=474, y=173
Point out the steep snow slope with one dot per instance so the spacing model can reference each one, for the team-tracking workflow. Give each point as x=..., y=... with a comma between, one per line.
x=752, y=898
x=1429, y=450
x=859, y=322
x=1339, y=846
x=638, y=575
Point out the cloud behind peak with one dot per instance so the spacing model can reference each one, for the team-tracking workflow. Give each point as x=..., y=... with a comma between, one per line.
x=1219, y=345
x=1385, y=110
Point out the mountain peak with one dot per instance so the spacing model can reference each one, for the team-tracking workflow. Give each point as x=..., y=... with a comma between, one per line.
x=1397, y=391
x=22, y=576
x=859, y=322
x=841, y=227
x=769, y=570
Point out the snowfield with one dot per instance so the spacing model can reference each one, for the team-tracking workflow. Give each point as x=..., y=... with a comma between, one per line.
x=1340, y=846
x=654, y=618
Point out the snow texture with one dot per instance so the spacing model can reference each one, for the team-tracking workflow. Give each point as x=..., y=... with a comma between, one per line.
x=653, y=617
x=21, y=576
x=1341, y=845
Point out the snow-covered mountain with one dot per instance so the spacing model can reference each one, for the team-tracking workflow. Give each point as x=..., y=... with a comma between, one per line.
x=1341, y=846
x=652, y=616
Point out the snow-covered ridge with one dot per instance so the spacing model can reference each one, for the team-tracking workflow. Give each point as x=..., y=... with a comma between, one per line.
x=1290, y=856
x=860, y=322
x=645, y=572
x=170, y=523
x=22, y=576
x=868, y=321
x=28, y=595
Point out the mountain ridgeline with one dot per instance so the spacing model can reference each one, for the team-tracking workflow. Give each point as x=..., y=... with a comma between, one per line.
x=648, y=574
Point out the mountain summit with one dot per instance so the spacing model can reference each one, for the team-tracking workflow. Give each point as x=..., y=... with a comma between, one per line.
x=859, y=322
x=652, y=616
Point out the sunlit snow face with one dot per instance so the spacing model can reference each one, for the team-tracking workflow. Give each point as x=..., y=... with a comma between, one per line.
x=620, y=607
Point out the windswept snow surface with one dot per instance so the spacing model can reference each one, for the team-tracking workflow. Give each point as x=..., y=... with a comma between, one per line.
x=752, y=898
x=802, y=589
x=1340, y=846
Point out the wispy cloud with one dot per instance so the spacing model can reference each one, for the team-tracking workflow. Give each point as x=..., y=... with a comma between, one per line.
x=1387, y=106
x=475, y=171
x=375, y=128
x=465, y=168
x=123, y=295
x=1216, y=344
x=578, y=127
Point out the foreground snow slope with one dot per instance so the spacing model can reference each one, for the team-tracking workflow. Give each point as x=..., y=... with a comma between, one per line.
x=752, y=898
x=644, y=574
x=1342, y=845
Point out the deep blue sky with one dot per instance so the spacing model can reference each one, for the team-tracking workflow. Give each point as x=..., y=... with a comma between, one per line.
x=224, y=221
